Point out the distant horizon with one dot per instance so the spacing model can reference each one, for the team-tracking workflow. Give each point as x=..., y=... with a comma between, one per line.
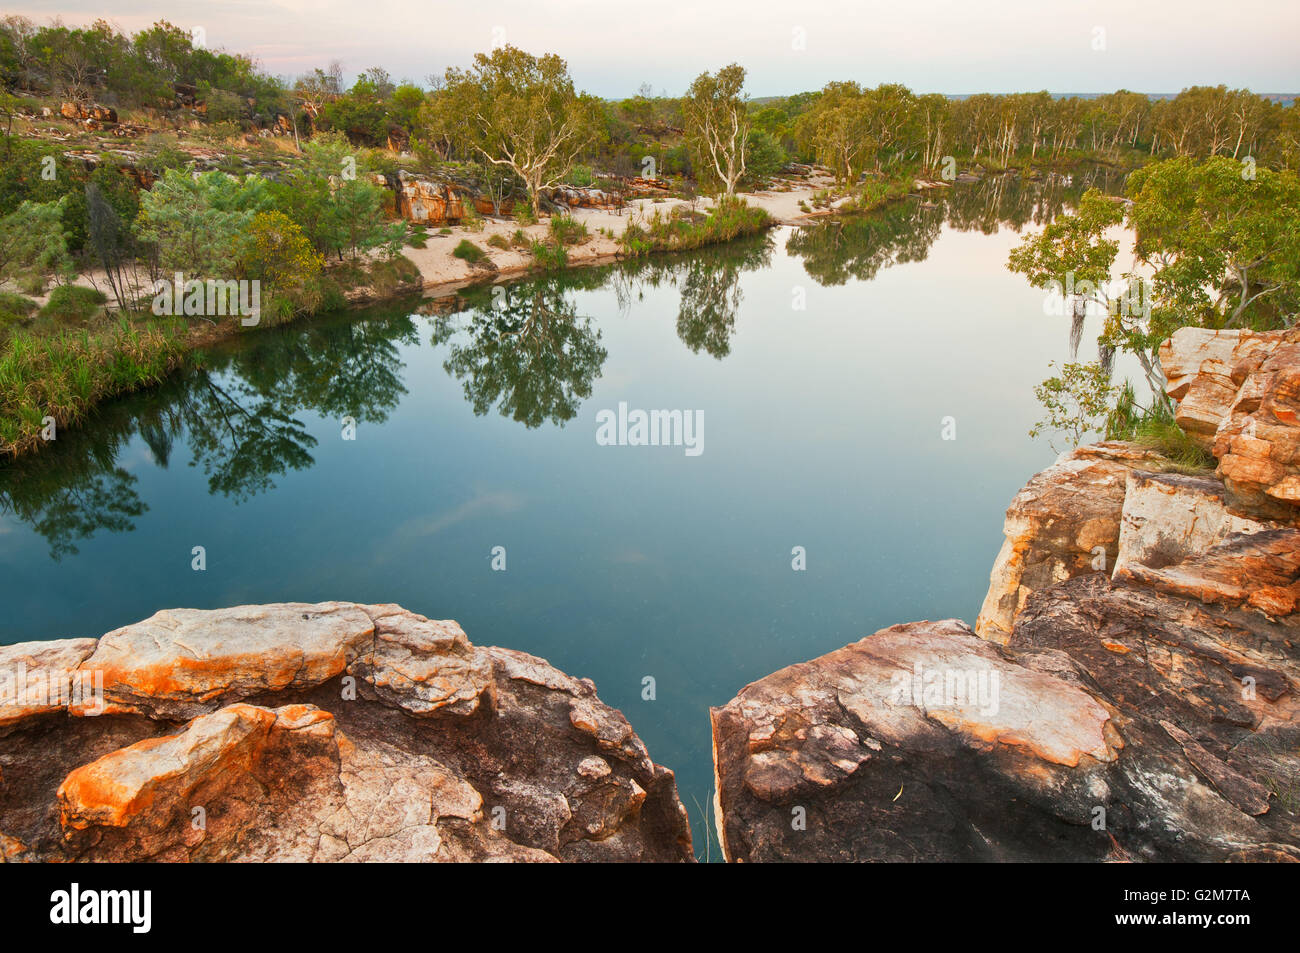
x=1157, y=48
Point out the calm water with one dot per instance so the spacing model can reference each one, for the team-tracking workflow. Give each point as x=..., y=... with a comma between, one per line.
x=475, y=428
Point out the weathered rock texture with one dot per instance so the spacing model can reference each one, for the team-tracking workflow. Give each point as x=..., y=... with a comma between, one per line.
x=1134, y=695
x=1238, y=394
x=324, y=732
x=1118, y=724
x=1065, y=522
x=1258, y=442
x=1198, y=364
x=423, y=200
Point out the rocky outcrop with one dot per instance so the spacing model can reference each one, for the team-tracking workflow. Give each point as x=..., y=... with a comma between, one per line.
x=323, y=732
x=89, y=112
x=1169, y=517
x=1258, y=441
x=1065, y=522
x=1237, y=393
x=1117, y=724
x=1198, y=364
x=422, y=200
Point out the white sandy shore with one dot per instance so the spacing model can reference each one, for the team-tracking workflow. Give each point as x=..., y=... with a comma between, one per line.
x=444, y=273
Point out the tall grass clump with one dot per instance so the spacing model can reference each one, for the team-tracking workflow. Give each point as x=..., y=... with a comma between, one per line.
x=62, y=375
x=1155, y=427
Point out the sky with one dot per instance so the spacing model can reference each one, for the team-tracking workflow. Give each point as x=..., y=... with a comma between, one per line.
x=947, y=46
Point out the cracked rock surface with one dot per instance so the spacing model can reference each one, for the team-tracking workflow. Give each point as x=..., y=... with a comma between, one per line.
x=323, y=732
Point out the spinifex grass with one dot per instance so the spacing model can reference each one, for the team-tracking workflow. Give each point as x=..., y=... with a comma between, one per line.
x=62, y=375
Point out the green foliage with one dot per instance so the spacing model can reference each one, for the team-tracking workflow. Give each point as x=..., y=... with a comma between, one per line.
x=1156, y=428
x=335, y=203
x=15, y=308
x=73, y=304
x=361, y=113
x=499, y=241
x=764, y=158
x=198, y=223
x=1225, y=242
x=276, y=251
x=1077, y=402
x=63, y=375
x=567, y=230
x=469, y=252
x=549, y=256
x=517, y=110
x=730, y=219
x=581, y=176
x=33, y=245
x=717, y=127
x=1072, y=249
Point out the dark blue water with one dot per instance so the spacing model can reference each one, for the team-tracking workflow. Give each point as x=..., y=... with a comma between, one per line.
x=823, y=428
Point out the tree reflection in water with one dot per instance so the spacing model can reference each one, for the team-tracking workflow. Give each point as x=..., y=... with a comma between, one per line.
x=859, y=246
x=236, y=411
x=522, y=349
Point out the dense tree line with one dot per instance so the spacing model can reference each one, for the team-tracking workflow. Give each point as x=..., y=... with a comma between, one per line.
x=848, y=127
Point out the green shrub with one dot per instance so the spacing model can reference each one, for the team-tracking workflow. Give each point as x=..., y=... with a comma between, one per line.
x=73, y=303
x=62, y=375
x=15, y=308
x=567, y=230
x=1156, y=428
x=549, y=256
x=731, y=218
x=31, y=284
x=581, y=176
x=467, y=251
x=499, y=241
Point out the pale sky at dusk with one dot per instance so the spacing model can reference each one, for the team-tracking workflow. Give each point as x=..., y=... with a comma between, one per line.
x=950, y=46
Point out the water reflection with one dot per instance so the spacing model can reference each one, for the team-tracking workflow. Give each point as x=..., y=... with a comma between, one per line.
x=859, y=246
x=236, y=413
x=523, y=350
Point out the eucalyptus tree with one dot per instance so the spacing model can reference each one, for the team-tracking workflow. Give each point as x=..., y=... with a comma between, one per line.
x=717, y=126
x=520, y=112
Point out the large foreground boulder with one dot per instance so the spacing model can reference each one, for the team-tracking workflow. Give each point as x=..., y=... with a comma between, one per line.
x=1117, y=724
x=323, y=732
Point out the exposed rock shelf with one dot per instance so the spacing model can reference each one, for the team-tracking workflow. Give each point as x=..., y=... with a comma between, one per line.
x=324, y=732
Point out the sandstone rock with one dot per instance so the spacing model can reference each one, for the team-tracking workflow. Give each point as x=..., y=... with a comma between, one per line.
x=572, y=196
x=1064, y=522
x=182, y=662
x=1168, y=517
x=1198, y=364
x=37, y=678
x=422, y=666
x=870, y=744
x=329, y=732
x=1259, y=571
x=92, y=112
x=1258, y=442
x=140, y=784
x=1113, y=705
x=422, y=200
